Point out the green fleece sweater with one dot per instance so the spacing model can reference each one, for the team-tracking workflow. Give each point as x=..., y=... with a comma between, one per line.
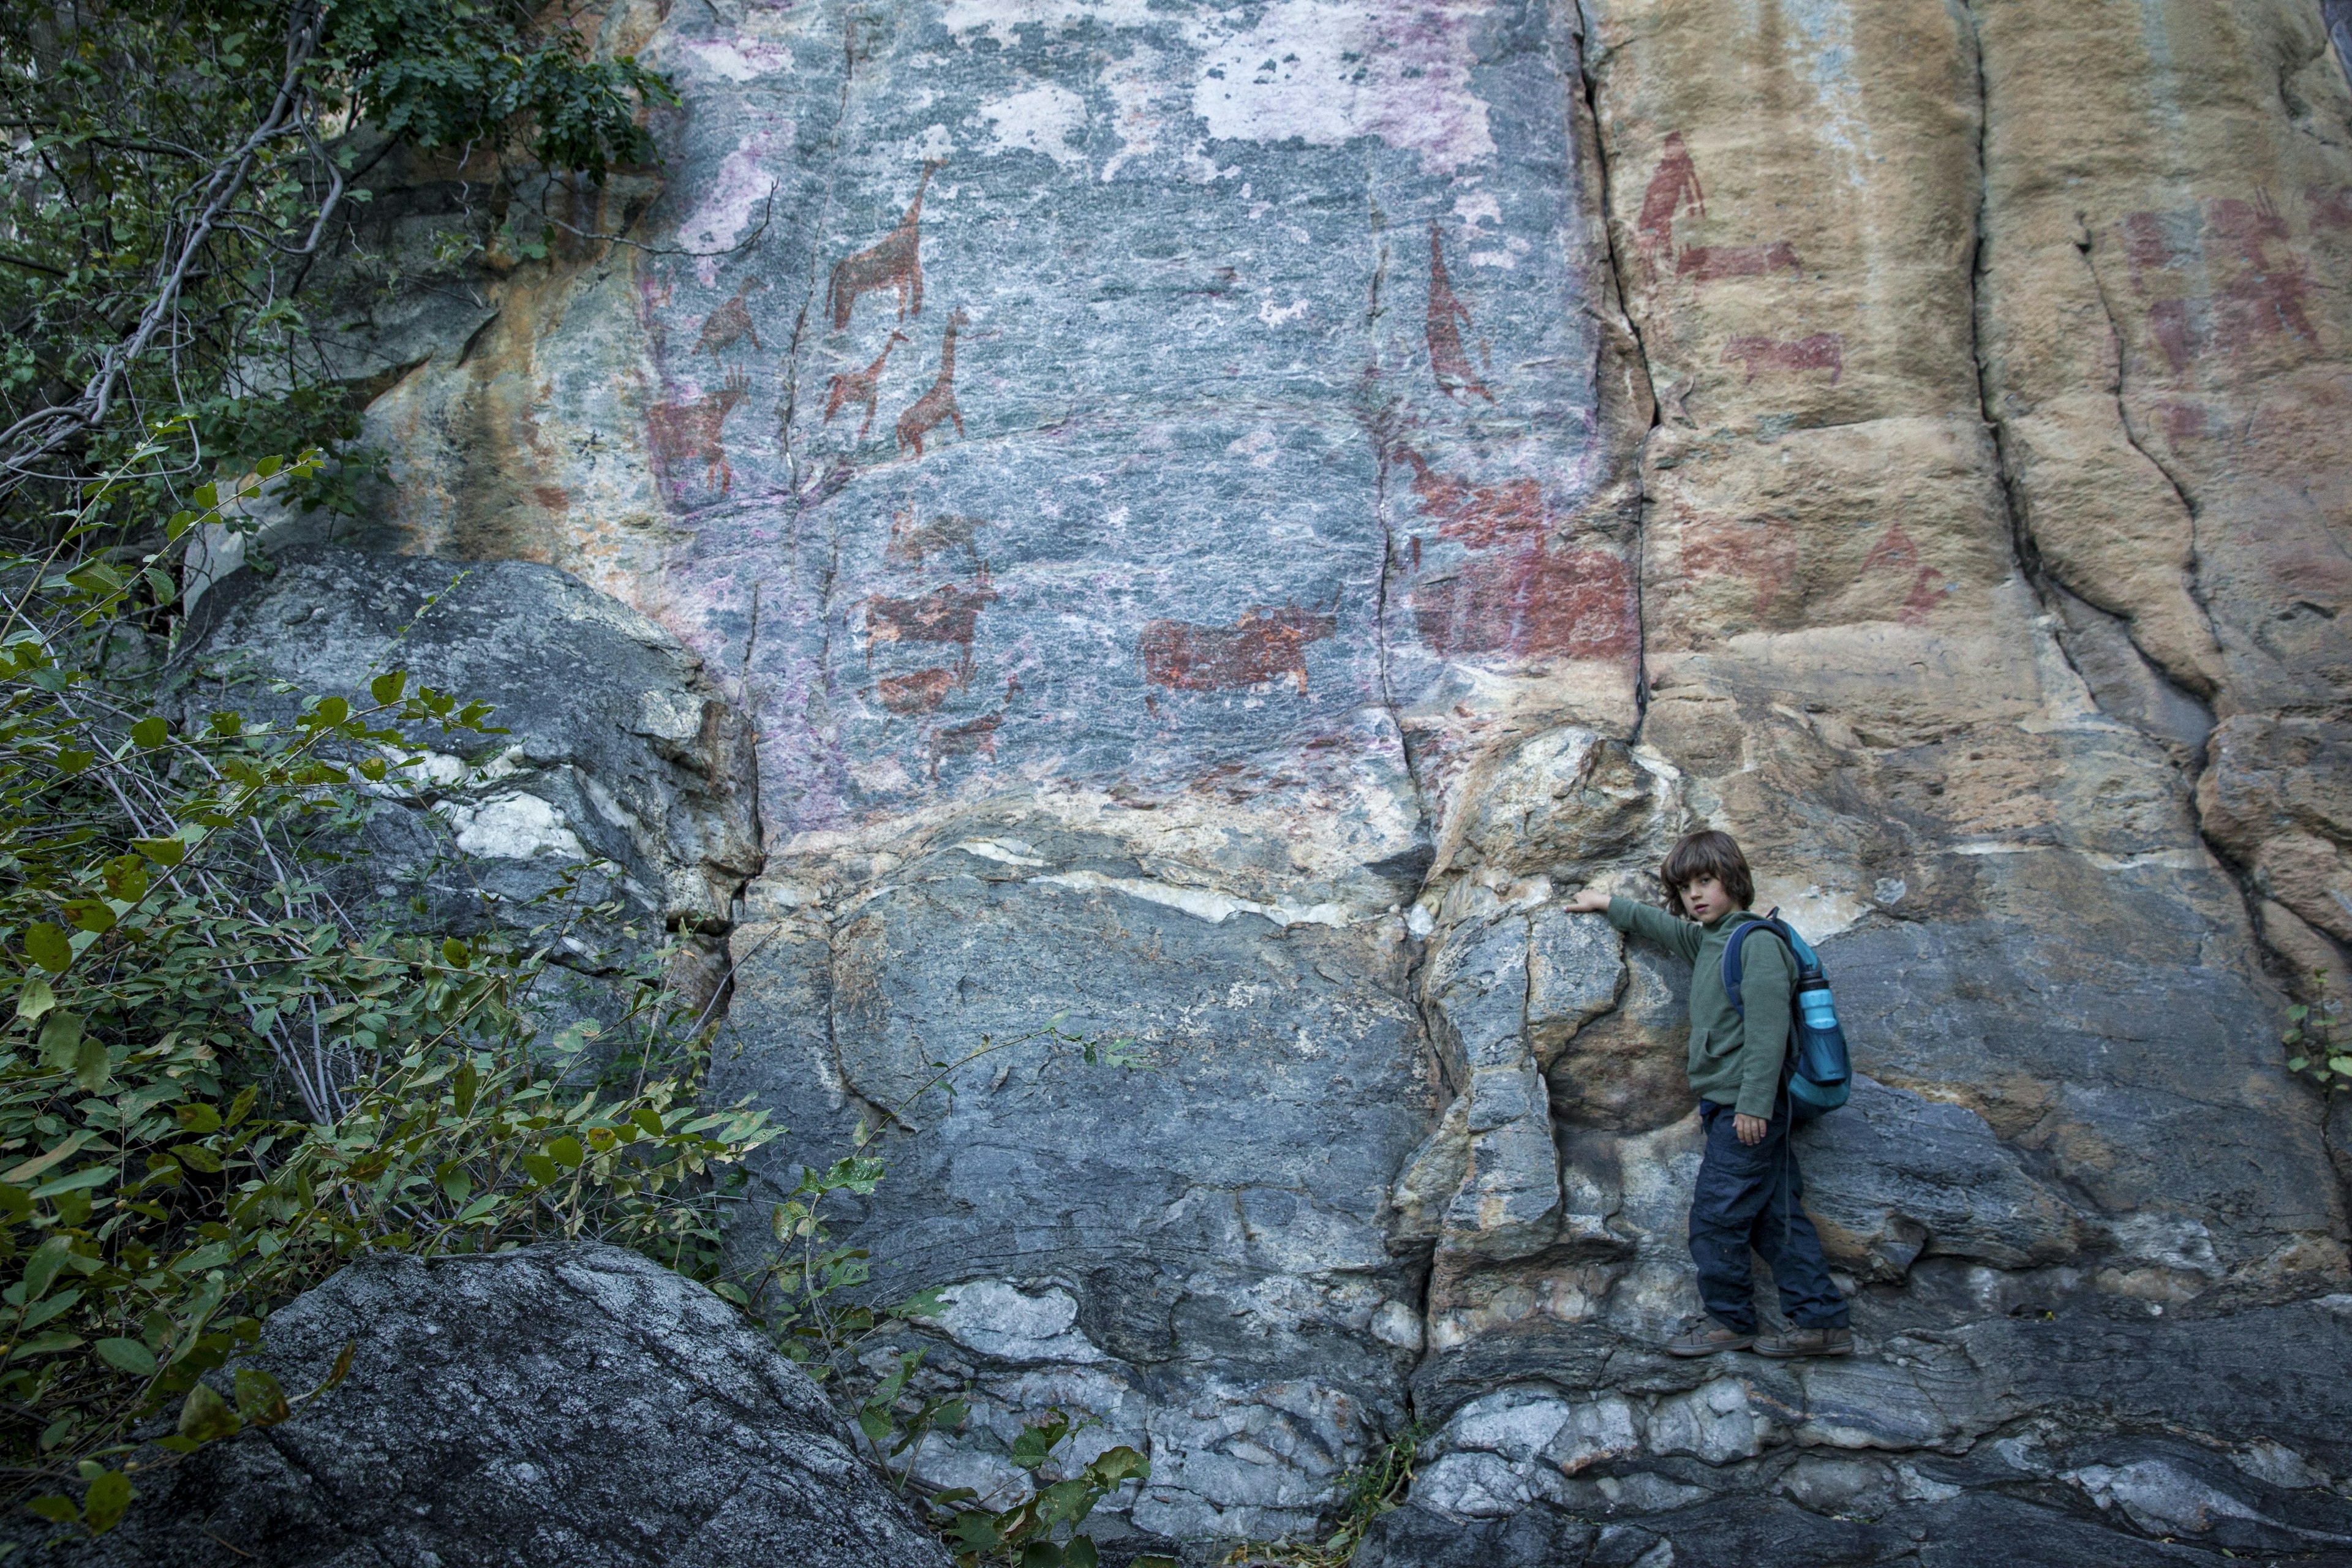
x=1731, y=1063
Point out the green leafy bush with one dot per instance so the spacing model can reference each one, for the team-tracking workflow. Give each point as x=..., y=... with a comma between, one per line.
x=215, y=1086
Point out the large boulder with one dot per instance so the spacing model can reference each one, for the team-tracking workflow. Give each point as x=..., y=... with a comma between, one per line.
x=563, y=1404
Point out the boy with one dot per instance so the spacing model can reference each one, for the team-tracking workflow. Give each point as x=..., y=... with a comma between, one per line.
x=1748, y=1192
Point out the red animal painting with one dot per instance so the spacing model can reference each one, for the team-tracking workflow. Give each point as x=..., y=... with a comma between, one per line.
x=917, y=693
x=1710, y=263
x=1539, y=600
x=1896, y=553
x=860, y=385
x=895, y=261
x=1265, y=644
x=1448, y=317
x=2264, y=285
x=912, y=543
x=1476, y=515
x=1822, y=351
x=977, y=735
x=937, y=406
x=946, y=615
x=1760, y=553
x=683, y=433
x=731, y=321
x=1673, y=189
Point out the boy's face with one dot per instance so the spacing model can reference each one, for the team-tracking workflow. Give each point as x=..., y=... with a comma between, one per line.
x=1705, y=899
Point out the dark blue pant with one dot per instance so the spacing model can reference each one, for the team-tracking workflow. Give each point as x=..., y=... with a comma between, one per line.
x=1753, y=1196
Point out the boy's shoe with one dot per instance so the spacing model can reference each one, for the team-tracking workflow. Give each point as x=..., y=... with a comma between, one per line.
x=1807, y=1342
x=1708, y=1339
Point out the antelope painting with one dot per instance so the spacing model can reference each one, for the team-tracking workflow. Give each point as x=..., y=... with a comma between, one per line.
x=683, y=432
x=895, y=261
x=938, y=405
x=860, y=386
x=730, y=322
x=1447, y=316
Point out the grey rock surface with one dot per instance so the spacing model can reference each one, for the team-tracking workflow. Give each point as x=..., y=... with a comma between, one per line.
x=564, y=1404
x=619, y=750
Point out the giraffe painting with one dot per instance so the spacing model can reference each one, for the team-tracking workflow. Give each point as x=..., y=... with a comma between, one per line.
x=894, y=261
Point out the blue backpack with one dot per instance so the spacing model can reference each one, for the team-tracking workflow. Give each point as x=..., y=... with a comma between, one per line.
x=1818, y=1074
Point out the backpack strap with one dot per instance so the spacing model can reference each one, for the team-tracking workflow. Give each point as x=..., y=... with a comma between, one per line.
x=1807, y=966
x=1732, y=967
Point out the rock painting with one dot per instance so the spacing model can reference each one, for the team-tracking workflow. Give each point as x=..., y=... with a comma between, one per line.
x=1264, y=645
x=1896, y=552
x=731, y=321
x=685, y=433
x=1821, y=350
x=2265, y=289
x=949, y=613
x=937, y=406
x=860, y=386
x=1447, y=318
x=1521, y=591
x=895, y=262
x=1673, y=194
x=1673, y=189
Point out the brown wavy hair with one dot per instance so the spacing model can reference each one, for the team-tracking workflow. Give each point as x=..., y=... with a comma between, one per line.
x=1706, y=854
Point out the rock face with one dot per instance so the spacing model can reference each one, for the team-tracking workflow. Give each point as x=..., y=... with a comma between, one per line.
x=572, y=1404
x=1218, y=517
x=624, y=774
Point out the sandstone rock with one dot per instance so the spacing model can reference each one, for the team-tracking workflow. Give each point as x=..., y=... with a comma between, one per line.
x=572, y=1402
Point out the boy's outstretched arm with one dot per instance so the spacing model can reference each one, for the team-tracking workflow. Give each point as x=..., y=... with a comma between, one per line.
x=1676, y=936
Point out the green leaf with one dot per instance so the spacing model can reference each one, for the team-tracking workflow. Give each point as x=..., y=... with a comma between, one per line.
x=268, y=466
x=387, y=686
x=1113, y=1465
x=207, y=497
x=2296, y=1064
x=977, y=1531
x=90, y=915
x=463, y=1087
x=2340, y=1064
x=566, y=1151
x=102, y=1505
x=874, y=1422
x=1080, y=1552
x=1030, y=1448
x=49, y=1343
x=60, y=1040
x=162, y=851
x=45, y=945
x=1041, y=1554
x=57, y=1510
x=260, y=1402
x=150, y=731
x=41, y=1269
x=207, y=1416
x=1063, y=1500
x=35, y=998
x=91, y=1065
x=458, y=954
x=127, y=1355
x=198, y=1116
x=332, y=710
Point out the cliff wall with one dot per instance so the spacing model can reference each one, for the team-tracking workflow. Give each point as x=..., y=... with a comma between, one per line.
x=1220, y=516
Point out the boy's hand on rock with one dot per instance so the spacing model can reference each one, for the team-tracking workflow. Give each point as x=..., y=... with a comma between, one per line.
x=1588, y=901
x=1749, y=1130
